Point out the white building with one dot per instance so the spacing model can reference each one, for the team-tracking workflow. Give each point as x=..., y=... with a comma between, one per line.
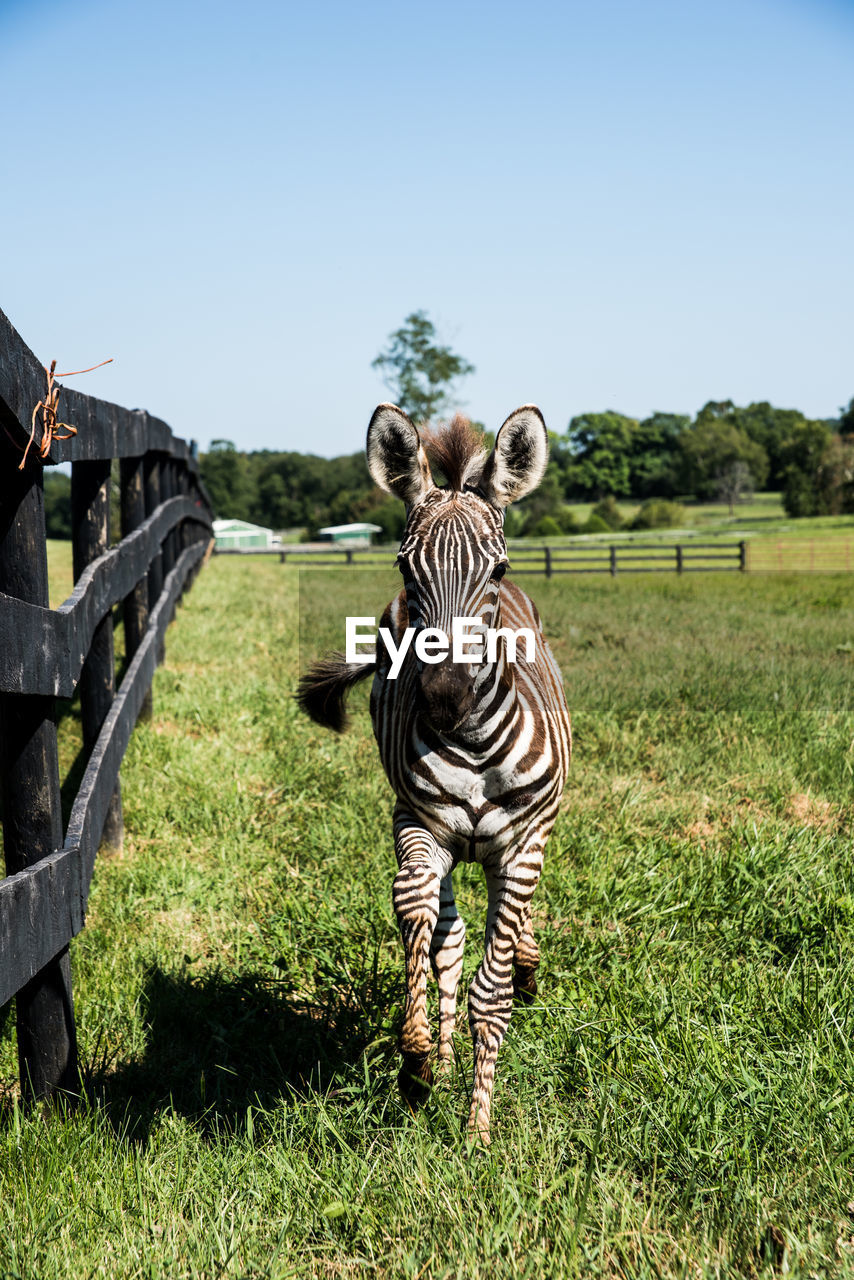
x=232, y=535
x=350, y=535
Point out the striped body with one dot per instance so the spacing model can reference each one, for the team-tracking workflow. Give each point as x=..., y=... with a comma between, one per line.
x=476, y=752
x=482, y=792
x=485, y=789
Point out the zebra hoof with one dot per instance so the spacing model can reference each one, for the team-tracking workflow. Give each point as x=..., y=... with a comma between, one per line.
x=415, y=1079
x=478, y=1141
x=524, y=986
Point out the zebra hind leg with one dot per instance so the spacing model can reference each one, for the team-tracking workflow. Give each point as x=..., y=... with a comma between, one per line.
x=491, y=992
x=416, y=897
x=525, y=962
x=446, y=954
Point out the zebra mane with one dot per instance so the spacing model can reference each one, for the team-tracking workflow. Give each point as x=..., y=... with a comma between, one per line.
x=456, y=449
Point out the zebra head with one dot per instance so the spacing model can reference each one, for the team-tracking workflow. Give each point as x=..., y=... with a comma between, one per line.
x=453, y=554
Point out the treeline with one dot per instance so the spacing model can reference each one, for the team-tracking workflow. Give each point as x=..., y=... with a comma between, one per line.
x=723, y=454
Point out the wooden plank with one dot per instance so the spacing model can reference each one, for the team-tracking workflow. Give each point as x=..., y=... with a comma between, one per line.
x=32, y=814
x=135, y=603
x=151, y=485
x=90, y=521
x=104, y=430
x=710, y=555
x=43, y=906
x=167, y=494
x=89, y=808
x=585, y=559
x=43, y=650
x=41, y=910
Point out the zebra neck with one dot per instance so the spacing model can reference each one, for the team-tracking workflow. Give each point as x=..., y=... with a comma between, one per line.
x=495, y=687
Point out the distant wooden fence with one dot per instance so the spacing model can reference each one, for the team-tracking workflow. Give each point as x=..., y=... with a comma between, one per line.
x=166, y=529
x=593, y=557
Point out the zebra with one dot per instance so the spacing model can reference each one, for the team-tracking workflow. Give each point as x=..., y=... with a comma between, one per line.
x=477, y=753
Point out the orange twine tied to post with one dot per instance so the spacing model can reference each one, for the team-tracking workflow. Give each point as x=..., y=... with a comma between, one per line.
x=51, y=427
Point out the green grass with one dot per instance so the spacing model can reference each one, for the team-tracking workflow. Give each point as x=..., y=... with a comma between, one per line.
x=678, y=1102
x=776, y=542
x=762, y=508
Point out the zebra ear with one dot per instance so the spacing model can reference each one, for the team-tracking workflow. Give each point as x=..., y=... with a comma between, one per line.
x=396, y=457
x=517, y=464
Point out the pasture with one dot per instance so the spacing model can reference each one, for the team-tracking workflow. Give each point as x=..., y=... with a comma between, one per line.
x=678, y=1101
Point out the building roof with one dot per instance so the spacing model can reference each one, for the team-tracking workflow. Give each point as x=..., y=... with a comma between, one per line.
x=238, y=526
x=352, y=528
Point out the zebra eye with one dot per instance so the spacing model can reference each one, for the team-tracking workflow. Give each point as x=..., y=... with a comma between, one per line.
x=499, y=571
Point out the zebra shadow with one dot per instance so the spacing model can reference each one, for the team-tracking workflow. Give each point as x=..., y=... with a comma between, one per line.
x=217, y=1043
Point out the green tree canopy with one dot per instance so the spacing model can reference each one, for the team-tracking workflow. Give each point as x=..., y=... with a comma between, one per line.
x=226, y=474
x=771, y=428
x=712, y=445
x=601, y=447
x=802, y=457
x=846, y=420
x=57, y=504
x=418, y=372
x=655, y=455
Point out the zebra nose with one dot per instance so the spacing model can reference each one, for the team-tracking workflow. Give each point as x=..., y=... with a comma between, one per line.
x=447, y=694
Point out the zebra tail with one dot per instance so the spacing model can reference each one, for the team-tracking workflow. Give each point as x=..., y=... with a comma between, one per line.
x=322, y=692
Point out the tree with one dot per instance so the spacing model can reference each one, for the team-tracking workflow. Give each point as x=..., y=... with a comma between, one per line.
x=601, y=446
x=546, y=500
x=655, y=456
x=771, y=428
x=419, y=373
x=712, y=445
x=226, y=474
x=57, y=504
x=802, y=458
x=734, y=483
x=608, y=511
x=836, y=477
x=846, y=420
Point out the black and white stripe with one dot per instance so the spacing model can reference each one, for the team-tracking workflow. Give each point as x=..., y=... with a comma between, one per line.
x=477, y=754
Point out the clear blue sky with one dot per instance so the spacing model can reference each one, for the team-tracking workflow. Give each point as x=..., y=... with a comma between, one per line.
x=601, y=205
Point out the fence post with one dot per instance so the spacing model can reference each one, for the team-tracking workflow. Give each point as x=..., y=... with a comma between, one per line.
x=177, y=534
x=32, y=814
x=184, y=491
x=678, y=558
x=135, y=604
x=613, y=562
x=742, y=556
x=151, y=487
x=548, y=552
x=90, y=521
x=167, y=492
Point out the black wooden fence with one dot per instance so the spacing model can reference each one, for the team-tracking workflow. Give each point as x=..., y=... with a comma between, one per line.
x=46, y=653
x=586, y=557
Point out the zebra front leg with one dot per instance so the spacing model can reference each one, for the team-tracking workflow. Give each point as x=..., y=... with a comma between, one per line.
x=416, y=897
x=446, y=953
x=525, y=962
x=510, y=886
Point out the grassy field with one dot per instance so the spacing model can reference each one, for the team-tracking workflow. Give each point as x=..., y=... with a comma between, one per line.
x=764, y=508
x=679, y=1100
x=775, y=541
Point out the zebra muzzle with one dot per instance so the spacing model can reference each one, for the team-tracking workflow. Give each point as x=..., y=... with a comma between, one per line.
x=446, y=695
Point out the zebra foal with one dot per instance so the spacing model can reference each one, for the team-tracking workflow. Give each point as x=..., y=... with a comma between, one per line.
x=476, y=751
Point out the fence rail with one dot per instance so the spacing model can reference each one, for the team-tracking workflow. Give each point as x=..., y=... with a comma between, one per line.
x=598, y=557
x=166, y=527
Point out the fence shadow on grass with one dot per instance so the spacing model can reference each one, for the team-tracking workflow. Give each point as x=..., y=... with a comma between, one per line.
x=218, y=1043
